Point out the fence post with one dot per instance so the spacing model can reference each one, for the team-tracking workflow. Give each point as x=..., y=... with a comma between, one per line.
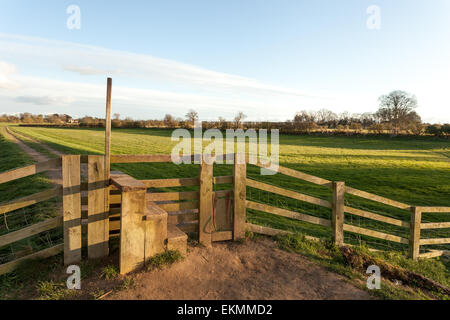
x=132, y=230
x=239, y=195
x=414, y=234
x=337, y=218
x=206, y=203
x=71, y=208
x=98, y=215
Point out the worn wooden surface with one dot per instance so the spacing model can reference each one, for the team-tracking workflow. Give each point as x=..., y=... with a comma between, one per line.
x=15, y=174
x=132, y=231
x=71, y=208
x=30, y=231
x=287, y=213
x=414, y=234
x=205, y=205
x=178, y=182
x=337, y=213
x=288, y=193
x=98, y=218
x=239, y=196
x=30, y=200
x=155, y=230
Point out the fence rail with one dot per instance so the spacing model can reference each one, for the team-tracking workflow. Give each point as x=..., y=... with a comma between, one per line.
x=338, y=208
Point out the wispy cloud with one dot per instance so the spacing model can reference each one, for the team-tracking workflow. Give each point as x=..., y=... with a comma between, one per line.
x=45, y=100
x=7, y=70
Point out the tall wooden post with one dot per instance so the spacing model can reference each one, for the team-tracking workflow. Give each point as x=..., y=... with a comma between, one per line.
x=414, y=235
x=71, y=208
x=98, y=218
x=338, y=215
x=239, y=195
x=107, y=163
x=206, y=203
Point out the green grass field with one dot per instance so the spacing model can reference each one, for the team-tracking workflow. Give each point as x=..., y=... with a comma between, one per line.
x=411, y=170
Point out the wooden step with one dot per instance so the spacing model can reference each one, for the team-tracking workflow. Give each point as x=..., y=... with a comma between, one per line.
x=176, y=239
x=155, y=229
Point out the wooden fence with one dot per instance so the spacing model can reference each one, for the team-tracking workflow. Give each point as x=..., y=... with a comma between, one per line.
x=34, y=229
x=207, y=214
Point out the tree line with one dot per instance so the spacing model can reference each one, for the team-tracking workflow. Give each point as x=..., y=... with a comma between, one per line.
x=395, y=116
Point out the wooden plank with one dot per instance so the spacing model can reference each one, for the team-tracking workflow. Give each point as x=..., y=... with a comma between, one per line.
x=189, y=227
x=287, y=213
x=164, y=183
x=374, y=234
x=434, y=209
x=300, y=175
x=30, y=200
x=113, y=199
x=288, y=193
x=98, y=218
x=114, y=225
x=126, y=183
x=240, y=196
x=435, y=225
x=377, y=217
x=30, y=231
x=179, y=206
x=373, y=197
x=266, y=230
x=42, y=254
x=15, y=174
x=71, y=208
x=223, y=193
x=176, y=218
x=414, y=233
x=434, y=241
x=155, y=230
x=338, y=213
x=132, y=231
x=141, y=158
x=164, y=196
x=223, y=180
x=222, y=236
x=206, y=203
x=432, y=254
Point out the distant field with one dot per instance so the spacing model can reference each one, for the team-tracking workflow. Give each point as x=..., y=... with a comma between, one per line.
x=411, y=170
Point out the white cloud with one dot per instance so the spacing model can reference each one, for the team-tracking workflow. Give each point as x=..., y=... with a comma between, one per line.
x=45, y=100
x=7, y=72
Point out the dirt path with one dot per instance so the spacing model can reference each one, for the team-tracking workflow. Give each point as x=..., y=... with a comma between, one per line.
x=253, y=270
x=54, y=174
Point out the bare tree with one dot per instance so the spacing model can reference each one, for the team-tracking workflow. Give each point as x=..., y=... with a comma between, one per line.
x=238, y=119
x=395, y=108
x=192, y=116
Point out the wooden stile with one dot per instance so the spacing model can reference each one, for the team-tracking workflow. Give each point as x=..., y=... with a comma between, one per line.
x=98, y=218
x=71, y=208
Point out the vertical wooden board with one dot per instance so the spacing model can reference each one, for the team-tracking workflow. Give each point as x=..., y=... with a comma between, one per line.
x=414, y=236
x=155, y=234
x=338, y=215
x=206, y=204
x=132, y=231
x=239, y=195
x=223, y=208
x=108, y=126
x=98, y=217
x=71, y=208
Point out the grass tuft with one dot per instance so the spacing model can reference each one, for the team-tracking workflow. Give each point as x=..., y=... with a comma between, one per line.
x=166, y=258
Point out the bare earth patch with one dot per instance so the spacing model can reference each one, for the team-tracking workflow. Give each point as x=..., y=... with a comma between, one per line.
x=253, y=270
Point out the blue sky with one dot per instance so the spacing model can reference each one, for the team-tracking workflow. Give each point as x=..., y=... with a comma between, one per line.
x=266, y=58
